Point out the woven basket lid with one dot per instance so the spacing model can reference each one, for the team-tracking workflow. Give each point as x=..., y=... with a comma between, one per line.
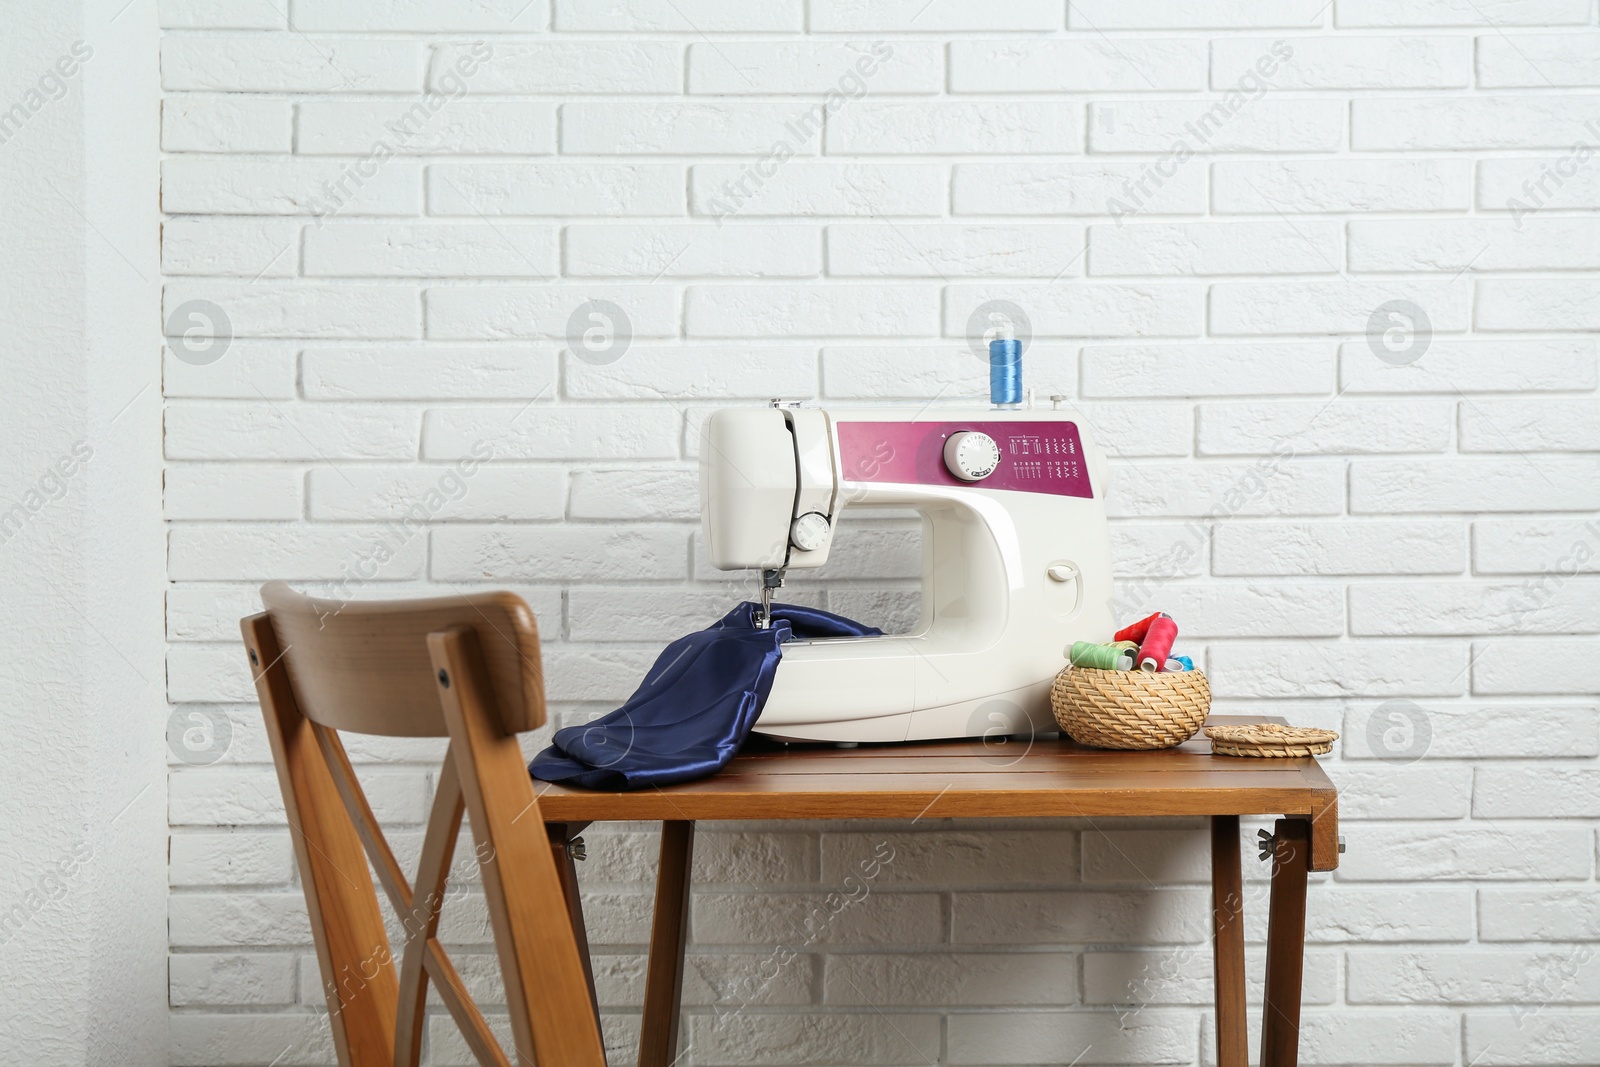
x=1270, y=739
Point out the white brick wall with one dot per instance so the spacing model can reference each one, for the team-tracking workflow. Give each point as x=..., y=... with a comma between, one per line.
x=399, y=214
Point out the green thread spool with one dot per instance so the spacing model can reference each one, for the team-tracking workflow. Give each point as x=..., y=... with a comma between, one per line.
x=1117, y=657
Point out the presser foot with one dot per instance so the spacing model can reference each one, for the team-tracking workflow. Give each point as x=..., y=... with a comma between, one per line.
x=770, y=580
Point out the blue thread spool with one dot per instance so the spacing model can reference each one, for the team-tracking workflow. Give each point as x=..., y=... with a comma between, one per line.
x=1005, y=371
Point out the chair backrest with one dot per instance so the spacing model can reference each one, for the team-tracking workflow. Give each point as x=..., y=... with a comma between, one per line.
x=363, y=665
x=466, y=668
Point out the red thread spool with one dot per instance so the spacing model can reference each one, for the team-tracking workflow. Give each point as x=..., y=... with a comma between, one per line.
x=1137, y=631
x=1157, y=643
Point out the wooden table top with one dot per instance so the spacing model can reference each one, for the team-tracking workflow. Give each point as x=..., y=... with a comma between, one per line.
x=973, y=780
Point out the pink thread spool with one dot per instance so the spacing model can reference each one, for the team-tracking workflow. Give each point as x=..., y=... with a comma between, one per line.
x=1137, y=631
x=1157, y=644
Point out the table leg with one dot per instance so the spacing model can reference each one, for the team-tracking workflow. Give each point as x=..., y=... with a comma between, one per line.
x=561, y=835
x=1227, y=917
x=669, y=937
x=1286, y=944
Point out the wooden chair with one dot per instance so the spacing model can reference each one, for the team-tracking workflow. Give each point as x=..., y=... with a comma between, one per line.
x=466, y=668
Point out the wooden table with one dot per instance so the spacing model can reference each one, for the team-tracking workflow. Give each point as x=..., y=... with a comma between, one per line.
x=1048, y=778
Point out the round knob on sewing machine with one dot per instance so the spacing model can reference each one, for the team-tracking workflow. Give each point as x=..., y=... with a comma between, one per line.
x=809, y=532
x=971, y=455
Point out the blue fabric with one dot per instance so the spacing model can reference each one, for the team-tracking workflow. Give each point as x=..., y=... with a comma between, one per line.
x=695, y=707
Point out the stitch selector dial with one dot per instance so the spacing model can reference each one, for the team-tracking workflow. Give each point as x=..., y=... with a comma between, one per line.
x=971, y=455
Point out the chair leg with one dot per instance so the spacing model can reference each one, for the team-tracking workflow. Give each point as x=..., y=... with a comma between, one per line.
x=547, y=998
x=1227, y=916
x=353, y=950
x=669, y=938
x=1286, y=944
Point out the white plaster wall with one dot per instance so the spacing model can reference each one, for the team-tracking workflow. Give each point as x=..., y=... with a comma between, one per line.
x=82, y=789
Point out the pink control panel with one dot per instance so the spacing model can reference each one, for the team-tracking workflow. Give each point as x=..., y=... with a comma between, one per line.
x=1035, y=457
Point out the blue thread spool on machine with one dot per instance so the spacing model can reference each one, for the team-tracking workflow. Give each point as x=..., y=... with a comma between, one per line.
x=1005, y=372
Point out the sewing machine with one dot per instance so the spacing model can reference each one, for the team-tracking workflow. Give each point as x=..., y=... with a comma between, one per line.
x=1016, y=559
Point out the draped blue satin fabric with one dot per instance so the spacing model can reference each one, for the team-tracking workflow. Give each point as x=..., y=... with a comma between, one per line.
x=695, y=707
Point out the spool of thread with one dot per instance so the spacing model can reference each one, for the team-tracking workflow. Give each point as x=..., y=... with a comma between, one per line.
x=1179, y=663
x=1157, y=644
x=1137, y=631
x=1101, y=657
x=1005, y=371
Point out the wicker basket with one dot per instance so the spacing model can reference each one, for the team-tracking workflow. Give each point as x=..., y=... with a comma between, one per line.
x=1130, y=709
x=1270, y=739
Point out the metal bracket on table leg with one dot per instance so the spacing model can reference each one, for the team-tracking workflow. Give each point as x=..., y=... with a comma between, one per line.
x=1268, y=844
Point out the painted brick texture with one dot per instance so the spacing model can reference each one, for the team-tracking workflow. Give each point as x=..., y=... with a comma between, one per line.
x=450, y=286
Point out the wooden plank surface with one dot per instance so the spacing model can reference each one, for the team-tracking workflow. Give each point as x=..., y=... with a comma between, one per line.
x=968, y=779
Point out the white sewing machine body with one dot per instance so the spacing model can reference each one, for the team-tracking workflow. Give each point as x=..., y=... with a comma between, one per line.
x=1016, y=559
